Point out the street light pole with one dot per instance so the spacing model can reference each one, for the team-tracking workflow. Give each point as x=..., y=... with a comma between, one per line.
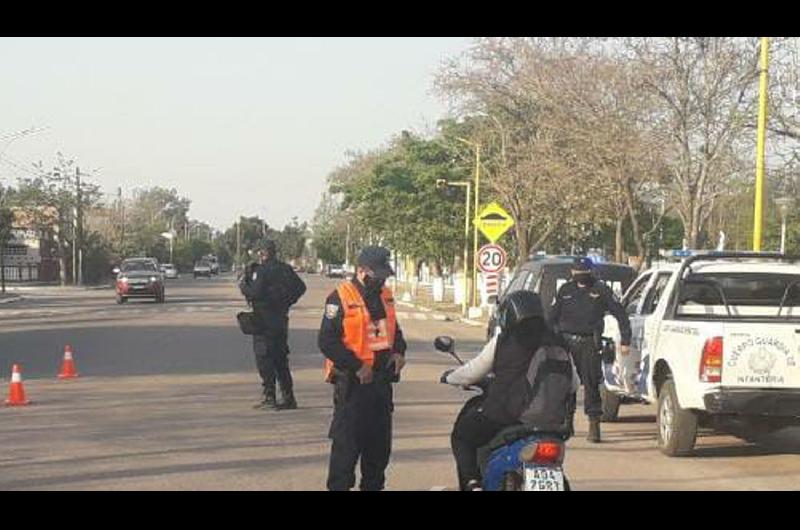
x=477, y=147
x=465, y=184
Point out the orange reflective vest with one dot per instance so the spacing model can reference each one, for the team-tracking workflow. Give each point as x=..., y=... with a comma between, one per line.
x=361, y=335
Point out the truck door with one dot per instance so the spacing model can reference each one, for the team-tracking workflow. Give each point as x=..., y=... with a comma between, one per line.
x=631, y=302
x=648, y=320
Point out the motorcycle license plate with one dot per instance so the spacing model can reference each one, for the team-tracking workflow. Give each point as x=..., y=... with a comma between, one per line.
x=543, y=479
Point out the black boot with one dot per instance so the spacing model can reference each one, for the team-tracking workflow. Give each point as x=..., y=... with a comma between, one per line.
x=268, y=401
x=287, y=403
x=594, y=429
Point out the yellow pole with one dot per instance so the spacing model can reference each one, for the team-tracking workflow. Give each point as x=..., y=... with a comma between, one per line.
x=475, y=243
x=758, y=214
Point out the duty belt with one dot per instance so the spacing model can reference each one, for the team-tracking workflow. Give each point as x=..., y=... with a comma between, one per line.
x=576, y=337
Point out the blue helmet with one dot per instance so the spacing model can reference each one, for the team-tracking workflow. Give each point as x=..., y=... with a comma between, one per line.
x=583, y=265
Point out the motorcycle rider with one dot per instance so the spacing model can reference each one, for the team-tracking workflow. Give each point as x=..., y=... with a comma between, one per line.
x=524, y=334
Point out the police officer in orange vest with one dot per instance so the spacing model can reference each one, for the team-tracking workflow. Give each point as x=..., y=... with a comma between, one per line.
x=365, y=352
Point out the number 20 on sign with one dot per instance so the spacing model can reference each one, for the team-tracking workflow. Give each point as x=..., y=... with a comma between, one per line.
x=491, y=258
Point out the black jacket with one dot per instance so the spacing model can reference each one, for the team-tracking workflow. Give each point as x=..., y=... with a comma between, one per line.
x=580, y=310
x=267, y=289
x=505, y=398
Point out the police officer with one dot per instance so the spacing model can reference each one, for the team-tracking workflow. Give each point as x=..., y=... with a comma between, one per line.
x=364, y=350
x=272, y=287
x=577, y=315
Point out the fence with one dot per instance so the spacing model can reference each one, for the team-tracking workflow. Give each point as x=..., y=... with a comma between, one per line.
x=21, y=273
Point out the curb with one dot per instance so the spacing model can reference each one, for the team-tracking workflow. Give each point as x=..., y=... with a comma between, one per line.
x=442, y=317
x=11, y=299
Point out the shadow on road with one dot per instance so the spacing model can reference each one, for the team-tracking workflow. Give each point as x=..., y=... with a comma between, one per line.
x=644, y=418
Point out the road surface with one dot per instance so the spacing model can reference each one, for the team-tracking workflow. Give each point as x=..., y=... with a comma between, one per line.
x=165, y=396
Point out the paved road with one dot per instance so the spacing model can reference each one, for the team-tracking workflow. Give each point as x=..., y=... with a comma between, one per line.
x=165, y=394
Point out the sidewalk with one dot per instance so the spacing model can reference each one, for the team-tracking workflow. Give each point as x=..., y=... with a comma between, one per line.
x=445, y=312
x=50, y=287
x=8, y=298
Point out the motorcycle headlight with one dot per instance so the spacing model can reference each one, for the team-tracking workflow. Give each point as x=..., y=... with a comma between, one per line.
x=153, y=279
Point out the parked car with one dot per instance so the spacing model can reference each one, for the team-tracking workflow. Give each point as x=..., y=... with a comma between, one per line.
x=202, y=268
x=715, y=344
x=545, y=275
x=170, y=271
x=336, y=271
x=139, y=278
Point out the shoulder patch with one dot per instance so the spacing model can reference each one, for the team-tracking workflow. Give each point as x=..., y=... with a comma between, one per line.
x=331, y=310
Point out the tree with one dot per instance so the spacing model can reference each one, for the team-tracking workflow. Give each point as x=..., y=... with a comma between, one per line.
x=528, y=162
x=291, y=241
x=705, y=89
x=392, y=195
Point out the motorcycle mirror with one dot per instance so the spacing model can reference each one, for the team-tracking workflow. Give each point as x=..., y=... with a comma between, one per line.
x=445, y=344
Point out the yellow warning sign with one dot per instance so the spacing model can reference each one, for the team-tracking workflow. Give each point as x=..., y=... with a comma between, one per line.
x=493, y=222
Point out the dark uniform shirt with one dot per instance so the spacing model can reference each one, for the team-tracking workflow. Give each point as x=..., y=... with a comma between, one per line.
x=580, y=310
x=332, y=331
x=265, y=287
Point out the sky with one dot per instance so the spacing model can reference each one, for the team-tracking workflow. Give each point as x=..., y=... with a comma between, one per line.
x=248, y=126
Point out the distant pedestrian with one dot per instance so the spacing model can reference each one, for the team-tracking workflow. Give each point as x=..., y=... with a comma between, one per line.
x=272, y=287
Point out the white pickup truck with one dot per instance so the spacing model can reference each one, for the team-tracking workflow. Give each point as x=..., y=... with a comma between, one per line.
x=716, y=343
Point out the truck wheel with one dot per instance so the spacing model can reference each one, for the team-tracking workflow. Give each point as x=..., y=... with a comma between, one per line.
x=677, y=427
x=611, y=402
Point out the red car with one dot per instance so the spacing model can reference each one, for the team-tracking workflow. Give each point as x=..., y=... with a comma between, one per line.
x=139, y=278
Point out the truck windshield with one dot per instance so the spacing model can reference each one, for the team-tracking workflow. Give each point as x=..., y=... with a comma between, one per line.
x=740, y=295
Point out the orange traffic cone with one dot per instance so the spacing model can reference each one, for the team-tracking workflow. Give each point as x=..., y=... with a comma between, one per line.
x=16, y=392
x=68, y=366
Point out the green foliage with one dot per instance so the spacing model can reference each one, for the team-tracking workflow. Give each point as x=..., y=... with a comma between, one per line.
x=396, y=201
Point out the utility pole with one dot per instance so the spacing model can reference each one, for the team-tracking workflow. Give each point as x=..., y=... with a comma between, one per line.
x=79, y=224
x=75, y=235
x=239, y=241
x=122, y=221
x=347, y=247
x=758, y=213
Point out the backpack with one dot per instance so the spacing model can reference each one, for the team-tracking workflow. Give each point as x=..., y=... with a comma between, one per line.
x=550, y=400
x=289, y=290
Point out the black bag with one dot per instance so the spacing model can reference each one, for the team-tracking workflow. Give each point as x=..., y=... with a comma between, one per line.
x=248, y=323
x=289, y=290
x=550, y=400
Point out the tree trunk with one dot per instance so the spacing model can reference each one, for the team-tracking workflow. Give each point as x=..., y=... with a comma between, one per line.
x=3, y=267
x=523, y=241
x=637, y=236
x=618, y=242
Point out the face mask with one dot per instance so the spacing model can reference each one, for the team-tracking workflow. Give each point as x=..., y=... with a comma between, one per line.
x=372, y=285
x=585, y=279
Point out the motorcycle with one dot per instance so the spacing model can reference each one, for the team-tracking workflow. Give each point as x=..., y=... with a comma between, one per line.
x=520, y=457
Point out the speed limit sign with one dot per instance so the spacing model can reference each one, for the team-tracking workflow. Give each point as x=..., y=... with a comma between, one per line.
x=491, y=258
